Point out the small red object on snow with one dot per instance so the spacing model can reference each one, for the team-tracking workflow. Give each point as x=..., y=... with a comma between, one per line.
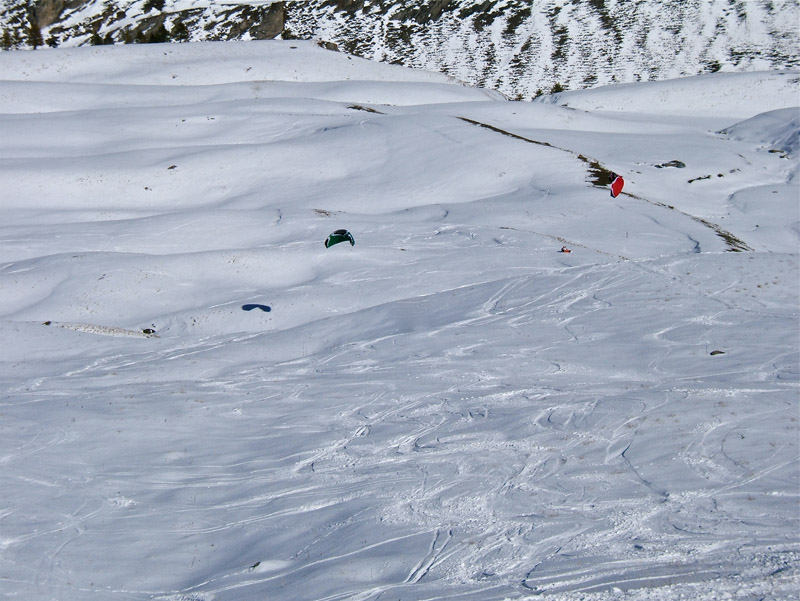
x=564, y=249
x=616, y=186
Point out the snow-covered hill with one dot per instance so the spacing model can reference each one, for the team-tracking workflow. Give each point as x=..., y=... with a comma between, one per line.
x=519, y=47
x=200, y=401
x=524, y=48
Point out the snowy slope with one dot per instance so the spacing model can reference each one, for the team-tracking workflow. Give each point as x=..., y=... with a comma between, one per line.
x=451, y=408
x=519, y=47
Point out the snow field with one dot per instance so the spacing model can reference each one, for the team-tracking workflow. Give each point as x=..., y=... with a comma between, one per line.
x=449, y=409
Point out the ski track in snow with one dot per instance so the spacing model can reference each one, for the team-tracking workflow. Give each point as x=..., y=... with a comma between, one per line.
x=449, y=409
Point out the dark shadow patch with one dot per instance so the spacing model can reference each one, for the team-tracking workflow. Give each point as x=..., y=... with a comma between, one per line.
x=677, y=164
x=250, y=307
x=359, y=107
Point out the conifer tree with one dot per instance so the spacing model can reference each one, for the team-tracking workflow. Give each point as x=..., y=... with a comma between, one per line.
x=6, y=41
x=179, y=31
x=35, y=34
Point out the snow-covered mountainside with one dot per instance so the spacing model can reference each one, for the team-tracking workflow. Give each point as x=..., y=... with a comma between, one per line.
x=520, y=47
x=200, y=401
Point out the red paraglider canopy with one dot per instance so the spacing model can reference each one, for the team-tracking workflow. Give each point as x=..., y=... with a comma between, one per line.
x=616, y=185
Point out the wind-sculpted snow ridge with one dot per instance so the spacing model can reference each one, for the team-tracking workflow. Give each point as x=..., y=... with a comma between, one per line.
x=734, y=95
x=203, y=402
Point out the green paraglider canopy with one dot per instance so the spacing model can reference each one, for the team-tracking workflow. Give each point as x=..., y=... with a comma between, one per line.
x=339, y=236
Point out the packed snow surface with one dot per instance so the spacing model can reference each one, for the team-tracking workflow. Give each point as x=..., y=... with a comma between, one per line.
x=201, y=402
